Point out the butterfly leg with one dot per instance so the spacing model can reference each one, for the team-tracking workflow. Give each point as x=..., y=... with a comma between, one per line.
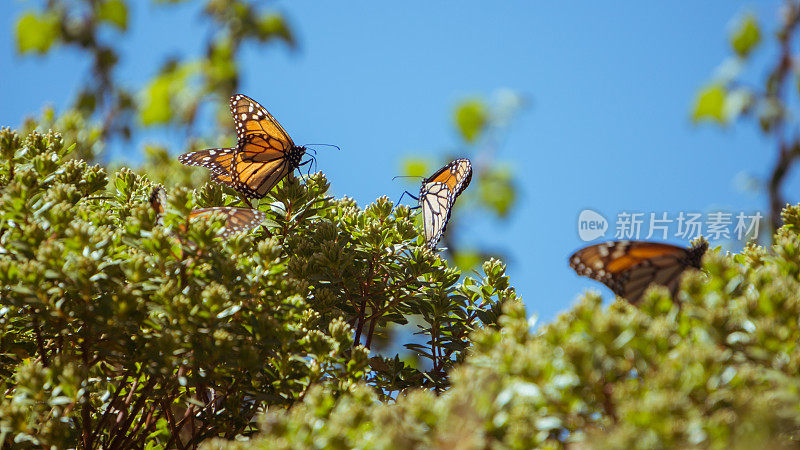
x=308, y=173
x=410, y=195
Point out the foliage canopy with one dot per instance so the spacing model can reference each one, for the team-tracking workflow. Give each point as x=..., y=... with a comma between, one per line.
x=116, y=329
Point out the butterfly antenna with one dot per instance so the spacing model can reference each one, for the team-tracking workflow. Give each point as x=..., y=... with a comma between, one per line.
x=405, y=176
x=328, y=145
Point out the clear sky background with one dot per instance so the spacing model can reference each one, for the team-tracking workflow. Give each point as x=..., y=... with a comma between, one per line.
x=608, y=128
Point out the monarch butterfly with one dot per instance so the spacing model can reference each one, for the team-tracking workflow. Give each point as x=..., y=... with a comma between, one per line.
x=263, y=156
x=158, y=196
x=629, y=267
x=237, y=220
x=438, y=195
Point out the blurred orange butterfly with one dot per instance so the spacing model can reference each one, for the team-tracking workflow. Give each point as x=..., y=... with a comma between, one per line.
x=438, y=195
x=263, y=155
x=628, y=268
x=237, y=220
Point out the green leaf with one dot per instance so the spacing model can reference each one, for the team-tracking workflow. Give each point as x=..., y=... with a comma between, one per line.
x=114, y=12
x=156, y=108
x=497, y=190
x=415, y=167
x=746, y=36
x=710, y=104
x=471, y=118
x=274, y=25
x=160, y=104
x=36, y=33
x=467, y=259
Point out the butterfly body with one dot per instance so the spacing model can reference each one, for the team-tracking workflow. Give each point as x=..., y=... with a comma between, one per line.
x=438, y=194
x=263, y=156
x=261, y=162
x=629, y=267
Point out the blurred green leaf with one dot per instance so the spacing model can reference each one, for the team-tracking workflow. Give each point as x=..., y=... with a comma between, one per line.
x=415, y=167
x=274, y=25
x=497, y=190
x=114, y=12
x=710, y=104
x=156, y=108
x=746, y=36
x=36, y=33
x=162, y=96
x=467, y=259
x=471, y=118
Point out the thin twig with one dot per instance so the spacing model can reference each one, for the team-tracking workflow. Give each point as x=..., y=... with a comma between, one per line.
x=111, y=404
x=787, y=153
x=39, y=341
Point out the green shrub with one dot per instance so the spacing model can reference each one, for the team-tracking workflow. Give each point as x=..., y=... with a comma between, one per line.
x=116, y=329
x=718, y=369
x=119, y=328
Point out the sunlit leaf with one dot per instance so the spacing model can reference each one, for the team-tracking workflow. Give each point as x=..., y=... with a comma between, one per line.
x=162, y=96
x=156, y=108
x=497, y=191
x=114, y=12
x=471, y=118
x=746, y=36
x=36, y=33
x=274, y=25
x=467, y=259
x=710, y=104
x=415, y=167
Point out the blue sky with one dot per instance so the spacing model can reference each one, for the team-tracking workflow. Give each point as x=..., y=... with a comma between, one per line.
x=608, y=128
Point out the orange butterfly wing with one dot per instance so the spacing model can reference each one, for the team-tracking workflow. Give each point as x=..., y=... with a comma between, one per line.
x=251, y=118
x=261, y=162
x=438, y=195
x=218, y=160
x=456, y=176
x=628, y=268
x=264, y=155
